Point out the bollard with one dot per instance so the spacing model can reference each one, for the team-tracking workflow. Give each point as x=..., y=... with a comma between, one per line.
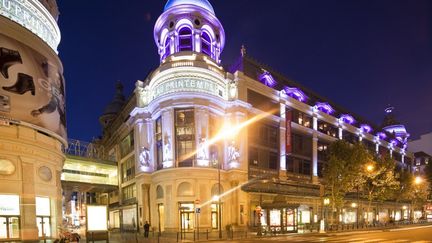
x=177, y=236
x=207, y=233
x=194, y=235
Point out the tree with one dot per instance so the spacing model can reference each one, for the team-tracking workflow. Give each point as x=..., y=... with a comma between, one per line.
x=342, y=170
x=379, y=180
x=413, y=189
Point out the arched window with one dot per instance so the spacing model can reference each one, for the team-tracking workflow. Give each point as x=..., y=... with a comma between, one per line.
x=215, y=189
x=206, y=45
x=185, y=189
x=185, y=39
x=167, y=48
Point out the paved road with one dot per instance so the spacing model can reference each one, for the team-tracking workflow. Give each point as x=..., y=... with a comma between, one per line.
x=413, y=235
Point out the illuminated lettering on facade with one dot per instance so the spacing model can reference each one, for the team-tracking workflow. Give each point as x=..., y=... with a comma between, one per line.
x=33, y=16
x=189, y=84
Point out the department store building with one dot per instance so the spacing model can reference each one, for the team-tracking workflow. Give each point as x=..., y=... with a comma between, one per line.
x=32, y=120
x=197, y=135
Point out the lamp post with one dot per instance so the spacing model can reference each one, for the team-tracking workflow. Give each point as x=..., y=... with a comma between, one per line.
x=218, y=198
x=219, y=202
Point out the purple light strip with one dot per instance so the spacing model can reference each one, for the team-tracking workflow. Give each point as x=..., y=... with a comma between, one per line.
x=394, y=142
x=324, y=107
x=295, y=93
x=366, y=128
x=382, y=135
x=267, y=79
x=347, y=119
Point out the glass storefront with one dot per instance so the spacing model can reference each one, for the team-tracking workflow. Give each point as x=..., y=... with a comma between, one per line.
x=9, y=217
x=43, y=216
x=214, y=216
x=280, y=220
x=114, y=219
x=129, y=219
x=187, y=216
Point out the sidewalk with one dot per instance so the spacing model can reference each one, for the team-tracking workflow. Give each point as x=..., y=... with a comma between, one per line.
x=116, y=237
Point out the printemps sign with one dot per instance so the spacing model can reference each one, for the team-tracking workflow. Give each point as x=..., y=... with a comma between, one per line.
x=189, y=84
x=32, y=15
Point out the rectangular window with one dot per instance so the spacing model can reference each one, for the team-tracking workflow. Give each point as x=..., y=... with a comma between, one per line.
x=302, y=145
x=127, y=144
x=159, y=143
x=128, y=169
x=264, y=146
x=263, y=102
x=185, y=137
x=302, y=118
x=328, y=129
x=129, y=192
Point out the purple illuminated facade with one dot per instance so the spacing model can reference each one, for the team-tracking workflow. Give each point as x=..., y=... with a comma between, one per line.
x=189, y=99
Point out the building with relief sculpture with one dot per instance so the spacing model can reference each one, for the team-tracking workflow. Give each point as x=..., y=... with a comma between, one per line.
x=177, y=150
x=32, y=120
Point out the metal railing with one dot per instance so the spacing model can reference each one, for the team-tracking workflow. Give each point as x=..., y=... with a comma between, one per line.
x=85, y=149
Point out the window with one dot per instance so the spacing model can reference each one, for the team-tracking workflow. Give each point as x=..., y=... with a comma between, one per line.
x=322, y=151
x=128, y=169
x=159, y=143
x=302, y=119
x=298, y=165
x=327, y=128
x=215, y=148
x=264, y=146
x=214, y=215
x=302, y=145
x=127, y=145
x=185, y=137
x=129, y=192
x=185, y=39
x=263, y=102
x=206, y=44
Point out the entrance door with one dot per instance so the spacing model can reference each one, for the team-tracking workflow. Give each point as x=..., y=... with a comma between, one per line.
x=9, y=227
x=187, y=221
x=44, y=226
x=291, y=220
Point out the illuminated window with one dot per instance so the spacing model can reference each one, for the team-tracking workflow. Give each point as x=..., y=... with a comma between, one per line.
x=206, y=45
x=159, y=143
x=185, y=39
x=185, y=137
x=214, y=215
x=302, y=119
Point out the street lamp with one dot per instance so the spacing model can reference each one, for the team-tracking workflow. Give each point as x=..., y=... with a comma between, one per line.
x=217, y=198
x=370, y=167
x=418, y=180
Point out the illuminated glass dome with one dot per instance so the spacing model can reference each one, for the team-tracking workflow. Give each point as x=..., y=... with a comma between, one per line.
x=201, y=3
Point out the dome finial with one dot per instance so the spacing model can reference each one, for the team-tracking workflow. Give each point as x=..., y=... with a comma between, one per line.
x=243, y=50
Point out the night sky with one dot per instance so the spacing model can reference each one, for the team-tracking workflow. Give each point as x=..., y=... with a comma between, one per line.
x=362, y=55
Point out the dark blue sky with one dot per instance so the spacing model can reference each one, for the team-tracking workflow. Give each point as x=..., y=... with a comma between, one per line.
x=360, y=54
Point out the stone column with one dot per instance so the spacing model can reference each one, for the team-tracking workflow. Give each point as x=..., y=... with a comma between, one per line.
x=29, y=229
x=146, y=213
x=235, y=210
x=283, y=137
x=315, y=158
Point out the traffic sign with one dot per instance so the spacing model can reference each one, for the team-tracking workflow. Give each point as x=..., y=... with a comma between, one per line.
x=197, y=210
